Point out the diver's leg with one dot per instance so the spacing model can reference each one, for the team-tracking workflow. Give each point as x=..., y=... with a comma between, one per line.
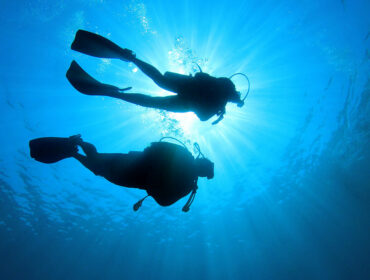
x=106, y=165
x=153, y=73
x=92, y=160
x=119, y=169
x=88, y=162
x=98, y=163
x=170, y=103
x=89, y=149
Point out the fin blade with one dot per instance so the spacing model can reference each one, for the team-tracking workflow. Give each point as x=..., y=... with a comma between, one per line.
x=52, y=149
x=96, y=45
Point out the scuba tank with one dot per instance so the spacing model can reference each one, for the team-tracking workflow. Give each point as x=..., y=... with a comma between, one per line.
x=186, y=207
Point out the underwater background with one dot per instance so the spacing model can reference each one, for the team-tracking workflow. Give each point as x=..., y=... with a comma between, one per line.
x=291, y=193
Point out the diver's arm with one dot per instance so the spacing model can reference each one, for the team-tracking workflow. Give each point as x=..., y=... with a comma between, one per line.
x=206, y=115
x=221, y=116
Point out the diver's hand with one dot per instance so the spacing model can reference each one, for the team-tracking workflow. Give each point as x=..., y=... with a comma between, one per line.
x=220, y=115
x=218, y=120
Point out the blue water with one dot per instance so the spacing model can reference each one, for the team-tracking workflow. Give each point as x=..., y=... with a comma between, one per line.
x=291, y=193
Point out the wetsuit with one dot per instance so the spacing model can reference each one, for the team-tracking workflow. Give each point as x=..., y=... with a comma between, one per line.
x=165, y=170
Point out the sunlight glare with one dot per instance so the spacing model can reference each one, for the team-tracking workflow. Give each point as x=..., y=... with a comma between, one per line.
x=186, y=121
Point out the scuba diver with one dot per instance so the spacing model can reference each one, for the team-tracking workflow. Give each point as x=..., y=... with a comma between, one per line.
x=202, y=94
x=167, y=171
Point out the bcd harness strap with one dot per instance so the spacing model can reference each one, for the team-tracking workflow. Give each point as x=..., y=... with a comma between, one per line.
x=186, y=207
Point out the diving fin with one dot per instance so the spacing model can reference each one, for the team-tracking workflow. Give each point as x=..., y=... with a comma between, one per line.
x=86, y=84
x=52, y=149
x=95, y=45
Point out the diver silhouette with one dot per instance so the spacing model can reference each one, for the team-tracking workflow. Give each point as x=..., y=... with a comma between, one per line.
x=202, y=94
x=165, y=170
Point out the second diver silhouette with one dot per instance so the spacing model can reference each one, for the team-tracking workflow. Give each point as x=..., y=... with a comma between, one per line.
x=167, y=171
x=202, y=94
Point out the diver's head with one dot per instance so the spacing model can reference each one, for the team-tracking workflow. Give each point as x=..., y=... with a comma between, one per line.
x=232, y=94
x=235, y=98
x=204, y=167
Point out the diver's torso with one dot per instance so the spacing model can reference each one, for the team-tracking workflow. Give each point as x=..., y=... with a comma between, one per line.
x=202, y=93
